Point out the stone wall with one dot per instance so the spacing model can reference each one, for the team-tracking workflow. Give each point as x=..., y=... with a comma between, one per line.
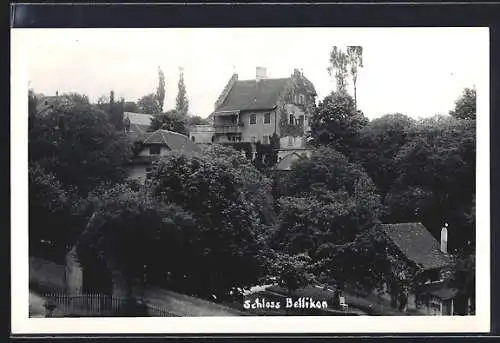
x=46, y=276
x=74, y=274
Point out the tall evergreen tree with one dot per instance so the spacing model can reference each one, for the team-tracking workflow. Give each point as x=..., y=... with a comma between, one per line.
x=182, y=103
x=160, y=91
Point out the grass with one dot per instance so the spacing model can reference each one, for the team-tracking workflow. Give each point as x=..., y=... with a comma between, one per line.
x=372, y=304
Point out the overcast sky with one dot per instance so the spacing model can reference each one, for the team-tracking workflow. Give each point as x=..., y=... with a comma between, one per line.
x=419, y=72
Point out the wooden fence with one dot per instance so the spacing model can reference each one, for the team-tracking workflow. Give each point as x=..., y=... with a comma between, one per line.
x=97, y=305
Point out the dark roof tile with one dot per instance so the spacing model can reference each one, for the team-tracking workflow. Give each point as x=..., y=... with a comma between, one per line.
x=417, y=244
x=253, y=95
x=173, y=140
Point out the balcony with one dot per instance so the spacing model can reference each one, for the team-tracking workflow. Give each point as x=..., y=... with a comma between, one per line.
x=228, y=128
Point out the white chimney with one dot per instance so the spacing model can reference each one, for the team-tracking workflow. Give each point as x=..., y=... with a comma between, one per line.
x=260, y=73
x=444, y=238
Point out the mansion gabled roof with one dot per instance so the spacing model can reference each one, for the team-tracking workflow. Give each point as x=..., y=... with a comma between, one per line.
x=258, y=94
x=253, y=95
x=170, y=139
x=417, y=244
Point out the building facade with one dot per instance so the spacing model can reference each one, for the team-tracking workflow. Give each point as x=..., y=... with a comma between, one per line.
x=432, y=293
x=255, y=110
x=202, y=134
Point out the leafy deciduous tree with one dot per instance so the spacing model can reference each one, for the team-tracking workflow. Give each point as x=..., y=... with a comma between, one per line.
x=78, y=144
x=339, y=62
x=171, y=120
x=465, y=106
x=149, y=104
x=355, y=61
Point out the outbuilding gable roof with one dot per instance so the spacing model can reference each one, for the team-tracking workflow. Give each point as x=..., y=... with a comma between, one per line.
x=417, y=244
x=170, y=139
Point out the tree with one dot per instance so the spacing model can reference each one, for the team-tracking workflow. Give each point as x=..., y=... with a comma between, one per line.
x=292, y=271
x=77, y=143
x=355, y=61
x=77, y=98
x=160, y=91
x=222, y=248
x=379, y=143
x=32, y=104
x=435, y=184
x=339, y=62
x=182, y=102
x=115, y=112
x=337, y=123
x=330, y=203
x=255, y=185
x=49, y=213
x=465, y=106
x=130, y=106
x=102, y=100
x=149, y=104
x=197, y=120
x=123, y=220
x=463, y=278
x=171, y=120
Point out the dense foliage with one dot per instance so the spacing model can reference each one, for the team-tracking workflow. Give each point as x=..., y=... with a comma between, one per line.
x=78, y=144
x=208, y=224
x=465, y=106
x=149, y=104
x=171, y=120
x=436, y=179
x=337, y=123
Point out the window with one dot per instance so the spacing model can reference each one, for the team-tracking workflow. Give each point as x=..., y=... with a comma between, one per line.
x=154, y=149
x=290, y=141
x=301, y=120
x=192, y=138
x=253, y=118
x=301, y=99
x=265, y=139
x=267, y=118
x=434, y=275
x=291, y=119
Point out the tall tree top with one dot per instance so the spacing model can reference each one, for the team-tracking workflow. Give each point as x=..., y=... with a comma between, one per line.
x=182, y=103
x=160, y=91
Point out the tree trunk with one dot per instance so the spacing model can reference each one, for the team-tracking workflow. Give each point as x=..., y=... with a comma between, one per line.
x=355, y=97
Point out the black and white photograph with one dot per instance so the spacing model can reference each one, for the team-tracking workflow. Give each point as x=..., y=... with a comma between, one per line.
x=322, y=178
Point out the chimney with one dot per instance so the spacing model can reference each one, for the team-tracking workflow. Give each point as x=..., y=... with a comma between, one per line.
x=260, y=73
x=444, y=238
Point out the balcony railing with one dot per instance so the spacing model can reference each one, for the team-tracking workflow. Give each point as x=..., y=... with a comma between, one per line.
x=228, y=128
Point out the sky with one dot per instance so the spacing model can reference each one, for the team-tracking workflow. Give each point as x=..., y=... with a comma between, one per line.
x=416, y=71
